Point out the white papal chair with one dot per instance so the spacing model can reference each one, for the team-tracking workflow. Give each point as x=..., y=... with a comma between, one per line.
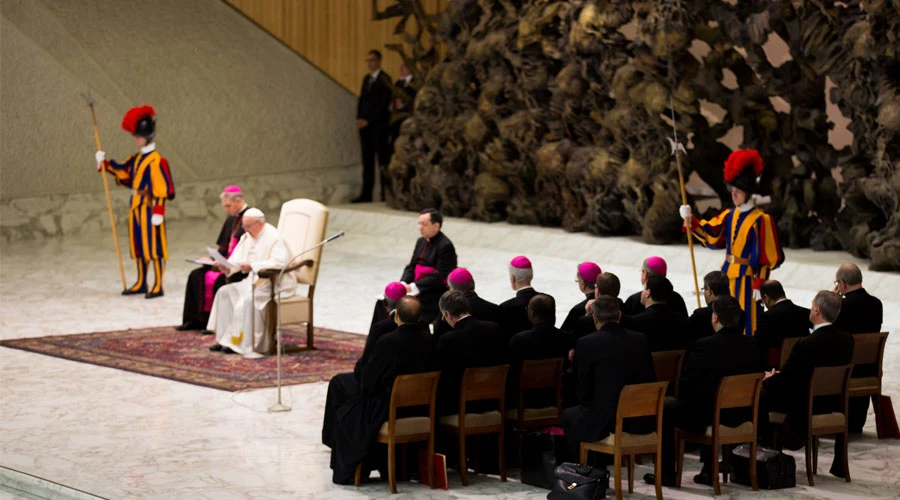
x=302, y=225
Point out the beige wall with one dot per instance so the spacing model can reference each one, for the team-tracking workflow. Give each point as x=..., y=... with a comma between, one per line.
x=232, y=101
x=335, y=35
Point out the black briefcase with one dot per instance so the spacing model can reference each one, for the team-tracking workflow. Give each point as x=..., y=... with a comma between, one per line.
x=774, y=469
x=541, y=452
x=579, y=482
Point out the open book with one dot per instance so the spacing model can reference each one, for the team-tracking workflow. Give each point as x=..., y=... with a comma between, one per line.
x=221, y=260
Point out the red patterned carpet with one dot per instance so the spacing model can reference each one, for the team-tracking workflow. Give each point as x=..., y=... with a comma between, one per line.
x=184, y=356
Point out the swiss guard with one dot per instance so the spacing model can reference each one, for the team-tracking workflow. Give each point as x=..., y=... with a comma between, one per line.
x=147, y=174
x=747, y=234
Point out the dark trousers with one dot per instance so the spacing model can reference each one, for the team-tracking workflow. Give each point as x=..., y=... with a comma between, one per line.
x=858, y=411
x=375, y=141
x=682, y=415
x=194, y=299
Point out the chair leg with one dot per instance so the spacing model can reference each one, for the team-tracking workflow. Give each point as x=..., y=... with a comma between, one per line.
x=430, y=460
x=617, y=464
x=404, y=470
x=392, y=473
x=657, y=473
x=502, y=455
x=463, y=472
x=753, y=482
x=809, y=466
x=310, y=342
x=357, y=476
x=630, y=473
x=876, y=407
x=846, y=455
x=715, y=468
x=815, y=454
x=679, y=461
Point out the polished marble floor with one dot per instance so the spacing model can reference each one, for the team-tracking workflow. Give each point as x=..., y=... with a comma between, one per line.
x=117, y=434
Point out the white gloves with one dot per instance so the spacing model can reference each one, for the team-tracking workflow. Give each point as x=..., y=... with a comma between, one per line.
x=156, y=219
x=100, y=156
x=684, y=211
x=761, y=200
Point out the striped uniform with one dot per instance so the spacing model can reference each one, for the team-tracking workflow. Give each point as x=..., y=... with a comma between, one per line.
x=751, y=241
x=148, y=176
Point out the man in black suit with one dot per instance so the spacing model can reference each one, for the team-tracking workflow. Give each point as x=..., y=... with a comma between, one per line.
x=727, y=352
x=471, y=343
x=605, y=361
x=433, y=259
x=352, y=419
x=787, y=391
x=543, y=341
x=373, y=118
x=783, y=319
x=513, y=312
x=653, y=266
x=699, y=325
x=664, y=328
x=393, y=292
x=585, y=278
x=860, y=313
x=461, y=279
x=606, y=284
x=404, y=96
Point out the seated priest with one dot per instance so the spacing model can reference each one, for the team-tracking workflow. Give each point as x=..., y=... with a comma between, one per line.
x=204, y=282
x=238, y=316
x=585, y=278
x=354, y=413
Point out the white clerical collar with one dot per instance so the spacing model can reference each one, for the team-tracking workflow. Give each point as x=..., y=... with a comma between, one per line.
x=779, y=301
x=746, y=207
x=464, y=316
x=816, y=327
x=374, y=74
x=148, y=148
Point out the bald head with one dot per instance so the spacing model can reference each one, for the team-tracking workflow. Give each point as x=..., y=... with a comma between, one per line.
x=409, y=311
x=847, y=278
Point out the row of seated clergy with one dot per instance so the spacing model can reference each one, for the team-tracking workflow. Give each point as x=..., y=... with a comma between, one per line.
x=357, y=404
x=238, y=315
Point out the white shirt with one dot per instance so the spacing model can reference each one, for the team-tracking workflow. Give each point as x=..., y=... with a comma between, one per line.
x=148, y=148
x=816, y=327
x=374, y=76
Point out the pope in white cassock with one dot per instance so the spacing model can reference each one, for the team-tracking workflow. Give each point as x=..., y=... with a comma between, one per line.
x=261, y=247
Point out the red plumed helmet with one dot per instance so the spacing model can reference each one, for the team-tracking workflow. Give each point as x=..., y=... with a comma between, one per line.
x=140, y=121
x=743, y=168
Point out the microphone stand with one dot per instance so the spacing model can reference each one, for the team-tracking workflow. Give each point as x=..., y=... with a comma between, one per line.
x=279, y=407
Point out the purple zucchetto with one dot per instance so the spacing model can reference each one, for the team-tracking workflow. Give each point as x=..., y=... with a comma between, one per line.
x=588, y=272
x=460, y=276
x=394, y=291
x=657, y=265
x=520, y=262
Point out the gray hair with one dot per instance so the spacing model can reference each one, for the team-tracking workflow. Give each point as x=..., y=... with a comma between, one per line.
x=231, y=196
x=849, y=274
x=829, y=304
x=521, y=275
x=462, y=287
x=454, y=302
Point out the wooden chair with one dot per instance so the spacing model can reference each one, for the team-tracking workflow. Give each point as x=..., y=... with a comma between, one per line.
x=302, y=225
x=868, y=348
x=827, y=381
x=479, y=384
x=538, y=374
x=636, y=400
x=787, y=345
x=418, y=389
x=668, y=369
x=736, y=391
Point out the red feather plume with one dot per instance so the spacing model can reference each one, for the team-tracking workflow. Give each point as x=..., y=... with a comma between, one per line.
x=739, y=160
x=134, y=115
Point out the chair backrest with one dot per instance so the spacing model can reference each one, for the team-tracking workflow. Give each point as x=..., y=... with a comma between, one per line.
x=302, y=224
x=641, y=400
x=668, y=366
x=868, y=348
x=739, y=391
x=488, y=382
x=540, y=373
x=787, y=345
x=829, y=381
x=417, y=389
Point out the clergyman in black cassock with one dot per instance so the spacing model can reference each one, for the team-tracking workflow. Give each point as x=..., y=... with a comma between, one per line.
x=357, y=413
x=461, y=279
x=605, y=361
x=197, y=302
x=860, y=313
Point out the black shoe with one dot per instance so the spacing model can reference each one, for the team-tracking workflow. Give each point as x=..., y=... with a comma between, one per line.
x=704, y=478
x=228, y=350
x=190, y=325
x=650, y=478
x=153, y=295
x=207, y=332
x=216, y=347
x=129, y=291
